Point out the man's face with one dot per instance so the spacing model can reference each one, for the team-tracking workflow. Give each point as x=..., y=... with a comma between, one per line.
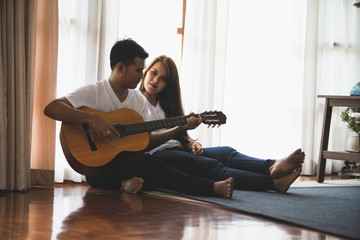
x=134, y=73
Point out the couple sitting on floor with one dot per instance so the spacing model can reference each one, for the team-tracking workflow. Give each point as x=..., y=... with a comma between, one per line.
x=172, y=161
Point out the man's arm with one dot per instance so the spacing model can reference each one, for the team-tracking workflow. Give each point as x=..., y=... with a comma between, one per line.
x=62, y=110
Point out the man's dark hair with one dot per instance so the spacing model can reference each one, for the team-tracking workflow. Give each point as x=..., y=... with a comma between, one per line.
x=125, y=51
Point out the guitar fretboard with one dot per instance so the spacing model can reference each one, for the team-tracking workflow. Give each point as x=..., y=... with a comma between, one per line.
x=150, y=126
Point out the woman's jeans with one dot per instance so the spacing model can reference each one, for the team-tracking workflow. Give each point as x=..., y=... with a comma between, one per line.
x=220, y=163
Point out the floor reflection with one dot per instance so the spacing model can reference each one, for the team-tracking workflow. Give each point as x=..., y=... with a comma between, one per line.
x=14, y=215
x=76, y=211
x=110, y=214
x=66, y=201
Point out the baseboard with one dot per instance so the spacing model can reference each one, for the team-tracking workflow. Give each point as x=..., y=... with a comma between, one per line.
x=42, y=177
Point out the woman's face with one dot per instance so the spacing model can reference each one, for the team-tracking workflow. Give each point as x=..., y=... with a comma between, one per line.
x=155, y=79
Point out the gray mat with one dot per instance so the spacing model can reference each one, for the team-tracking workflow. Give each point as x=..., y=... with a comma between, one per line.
x=334, y=210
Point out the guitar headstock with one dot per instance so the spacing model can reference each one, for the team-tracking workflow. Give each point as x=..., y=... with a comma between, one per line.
x=213, y=118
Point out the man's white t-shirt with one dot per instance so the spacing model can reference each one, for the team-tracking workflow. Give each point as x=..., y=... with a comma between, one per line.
x=101, y=96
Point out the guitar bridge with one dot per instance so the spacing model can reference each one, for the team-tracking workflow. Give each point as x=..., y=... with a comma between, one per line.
x=89, y=137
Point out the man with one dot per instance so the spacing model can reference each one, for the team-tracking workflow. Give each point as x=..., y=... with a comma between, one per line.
x=127, y=62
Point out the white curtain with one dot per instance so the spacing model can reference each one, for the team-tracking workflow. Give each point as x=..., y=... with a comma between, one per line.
x=204, y=63
x=78, y=53
x=87, y=31
x=253, y=61
x=257, y=61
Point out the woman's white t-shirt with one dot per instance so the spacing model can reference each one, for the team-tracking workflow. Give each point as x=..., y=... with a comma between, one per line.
x=157, y=113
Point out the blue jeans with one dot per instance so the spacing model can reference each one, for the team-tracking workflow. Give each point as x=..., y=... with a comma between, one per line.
x=220, y=163
x=156, y=174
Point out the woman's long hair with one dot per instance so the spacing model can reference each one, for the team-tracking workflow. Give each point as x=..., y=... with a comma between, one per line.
x=170, y=98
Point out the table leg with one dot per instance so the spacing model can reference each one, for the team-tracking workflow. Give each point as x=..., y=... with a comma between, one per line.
x=324, y=142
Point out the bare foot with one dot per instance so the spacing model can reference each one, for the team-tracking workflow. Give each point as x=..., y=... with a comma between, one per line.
x=133, y=185
x=225, y=188
x=284, y=166
x=282, y=184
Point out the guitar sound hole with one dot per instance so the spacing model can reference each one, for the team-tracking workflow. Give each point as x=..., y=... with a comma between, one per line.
x=121, y=139
x=123, y=136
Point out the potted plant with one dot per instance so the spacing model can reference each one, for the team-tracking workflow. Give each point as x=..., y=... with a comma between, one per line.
x=351, y=115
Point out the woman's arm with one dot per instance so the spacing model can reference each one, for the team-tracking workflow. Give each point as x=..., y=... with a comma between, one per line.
x=159, y=138
x=194, y=148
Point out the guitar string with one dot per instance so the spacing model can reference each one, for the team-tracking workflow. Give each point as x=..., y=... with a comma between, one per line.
x=149, y=126
x=152, y=125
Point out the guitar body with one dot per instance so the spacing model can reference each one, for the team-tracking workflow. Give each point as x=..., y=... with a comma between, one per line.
x=89, y=155
x=85, y=160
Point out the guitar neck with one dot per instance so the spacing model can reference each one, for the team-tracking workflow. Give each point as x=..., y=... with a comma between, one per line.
x=150, y=126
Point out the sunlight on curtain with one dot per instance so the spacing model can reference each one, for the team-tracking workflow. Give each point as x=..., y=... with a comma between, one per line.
x=204, y=61
x=88, y=30
x=263, y=63
x=260, y=75
x=154, y=28
x=77, y=61
x=264, y=76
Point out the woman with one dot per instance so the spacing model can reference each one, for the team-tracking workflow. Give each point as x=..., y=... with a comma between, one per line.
x=161, y=88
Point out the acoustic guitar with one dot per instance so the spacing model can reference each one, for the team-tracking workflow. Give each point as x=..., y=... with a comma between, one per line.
x=89, y=155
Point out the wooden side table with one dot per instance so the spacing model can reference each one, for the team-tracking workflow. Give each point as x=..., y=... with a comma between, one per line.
x=330, y=102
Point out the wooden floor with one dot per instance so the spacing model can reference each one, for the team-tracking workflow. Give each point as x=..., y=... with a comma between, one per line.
x=76, y=211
